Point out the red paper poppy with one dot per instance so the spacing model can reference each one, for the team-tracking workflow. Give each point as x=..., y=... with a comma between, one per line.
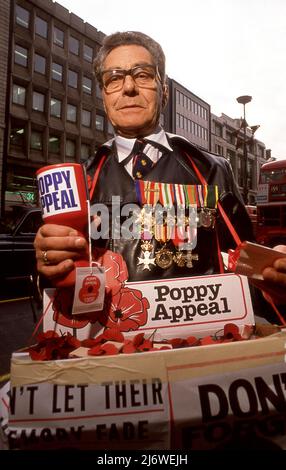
x=51, y=346
x=116, y=272
x=128, y=347
x=178, y=343
x=62, y=306
x=193, y=341
x=126, y=311
x=231, y=332
x=103, y=349
x=113, y=335
x=208, y=340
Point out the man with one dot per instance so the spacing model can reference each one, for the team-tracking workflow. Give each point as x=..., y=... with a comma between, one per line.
x=130, y=69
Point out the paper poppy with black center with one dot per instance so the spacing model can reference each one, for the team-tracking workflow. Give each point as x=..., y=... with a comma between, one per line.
x=51, y=346
x=126, y=311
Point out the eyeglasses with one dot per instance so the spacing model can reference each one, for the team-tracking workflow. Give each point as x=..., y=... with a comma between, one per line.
x=143, y=75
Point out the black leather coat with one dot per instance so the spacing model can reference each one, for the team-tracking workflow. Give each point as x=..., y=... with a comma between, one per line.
x=173, y=167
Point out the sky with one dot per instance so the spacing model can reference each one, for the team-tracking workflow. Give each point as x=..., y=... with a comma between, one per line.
x=218, y=49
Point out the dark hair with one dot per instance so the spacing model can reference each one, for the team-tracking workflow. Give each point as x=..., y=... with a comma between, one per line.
x=129, y=38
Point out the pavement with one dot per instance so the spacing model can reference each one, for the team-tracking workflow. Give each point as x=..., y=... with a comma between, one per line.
x=18, y=317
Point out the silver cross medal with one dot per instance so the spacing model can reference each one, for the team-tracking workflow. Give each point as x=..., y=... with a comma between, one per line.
x=146, y=247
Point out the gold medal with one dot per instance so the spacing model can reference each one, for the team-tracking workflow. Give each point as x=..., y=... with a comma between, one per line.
x=146, y=246
x=164, y=258
x=179, y=259
x=189, y=258
x=206, y=218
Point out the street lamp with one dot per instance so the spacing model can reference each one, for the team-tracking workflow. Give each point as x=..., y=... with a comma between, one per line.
x=244, y=100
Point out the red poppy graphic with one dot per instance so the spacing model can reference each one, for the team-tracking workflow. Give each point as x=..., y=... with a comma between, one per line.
x=116, y=272
x=126, y=310
x=62, y=306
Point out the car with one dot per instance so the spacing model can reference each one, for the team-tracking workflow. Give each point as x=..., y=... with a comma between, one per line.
x=17, y=233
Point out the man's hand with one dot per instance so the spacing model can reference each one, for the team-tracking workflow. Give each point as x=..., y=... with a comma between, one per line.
x=56, y=248
x=276, y=277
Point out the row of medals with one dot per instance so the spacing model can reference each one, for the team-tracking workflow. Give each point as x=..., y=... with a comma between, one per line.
x=165, y=257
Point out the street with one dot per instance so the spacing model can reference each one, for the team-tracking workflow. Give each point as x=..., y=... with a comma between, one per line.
x=18, y=315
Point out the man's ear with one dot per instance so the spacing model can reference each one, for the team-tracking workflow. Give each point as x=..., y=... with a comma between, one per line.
x=165, y=95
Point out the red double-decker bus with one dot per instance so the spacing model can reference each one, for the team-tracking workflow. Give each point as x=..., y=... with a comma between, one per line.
x=271, y=204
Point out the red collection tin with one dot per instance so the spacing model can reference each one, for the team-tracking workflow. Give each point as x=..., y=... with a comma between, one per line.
x=64, y=198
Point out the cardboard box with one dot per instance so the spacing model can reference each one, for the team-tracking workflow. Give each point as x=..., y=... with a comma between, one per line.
x=224, y=396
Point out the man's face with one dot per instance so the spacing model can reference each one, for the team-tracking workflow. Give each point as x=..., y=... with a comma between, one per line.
x=133, y=111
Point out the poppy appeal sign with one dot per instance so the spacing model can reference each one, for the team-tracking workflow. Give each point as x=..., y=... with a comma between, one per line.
x=165, y=309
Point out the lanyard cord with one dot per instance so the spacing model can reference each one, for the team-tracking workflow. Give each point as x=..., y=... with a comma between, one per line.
x=222, y=211
x=96, y=175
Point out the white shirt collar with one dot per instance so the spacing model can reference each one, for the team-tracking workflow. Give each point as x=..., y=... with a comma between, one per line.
x=124, y=145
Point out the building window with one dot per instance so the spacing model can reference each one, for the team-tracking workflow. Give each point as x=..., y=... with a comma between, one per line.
x=41, y=27
x=86, y=118
x=22, y=16
x=219, y=149
x=71, y=113
x=21, y=55
x=250, y=174
x=98, y=92
x=218, y=129
x=230, y=155
x=56, y=108
x=84, y=151
x=73, y=45
x=178, y=96
x=70, y=148
x=229, y=135
x=58, y=37
x=87, y=53
x=18, y=135
x=57, y=72
x=36, y=142
x=110, y=128
x=99, y=122
x=86, y=85
x=19, y=95
x=260, y=151
x=40, y=64
x=177, y=120
x=38, y=101
x=54, y=144
x=72, y=78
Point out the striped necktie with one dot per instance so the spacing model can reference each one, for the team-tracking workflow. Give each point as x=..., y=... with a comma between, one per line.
x=141, y=164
